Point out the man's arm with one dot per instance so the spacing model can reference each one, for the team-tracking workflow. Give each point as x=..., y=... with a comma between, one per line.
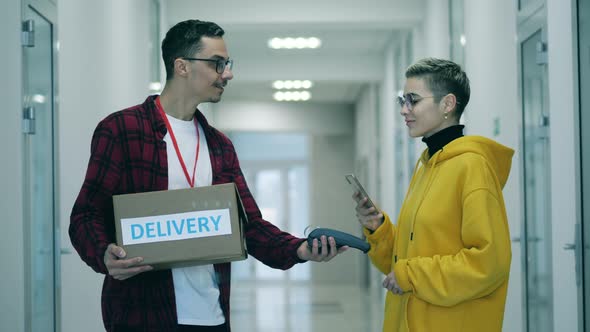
x=91, y=226
x=88, y=230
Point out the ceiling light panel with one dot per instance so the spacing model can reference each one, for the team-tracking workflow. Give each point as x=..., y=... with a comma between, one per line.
x=292, y=95
x=294, y=43
x=295, y=84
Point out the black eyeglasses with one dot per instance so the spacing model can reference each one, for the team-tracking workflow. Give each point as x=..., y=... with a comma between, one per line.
x=220, y=64
x=410, y=100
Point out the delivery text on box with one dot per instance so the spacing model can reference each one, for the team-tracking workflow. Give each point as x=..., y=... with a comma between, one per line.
x=178, y=226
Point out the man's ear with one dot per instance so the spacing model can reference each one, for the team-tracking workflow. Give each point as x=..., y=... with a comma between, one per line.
x=181, y=67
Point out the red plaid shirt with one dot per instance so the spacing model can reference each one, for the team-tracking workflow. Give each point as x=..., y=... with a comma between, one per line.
x=128, y=155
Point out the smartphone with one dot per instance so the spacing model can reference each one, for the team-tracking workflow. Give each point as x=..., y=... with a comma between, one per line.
x=355, y=183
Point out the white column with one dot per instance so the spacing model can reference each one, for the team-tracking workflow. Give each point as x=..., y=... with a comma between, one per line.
x=12, y=304
x=436, y=29
x=103, y=67
x=387, y=110
x=491, y=65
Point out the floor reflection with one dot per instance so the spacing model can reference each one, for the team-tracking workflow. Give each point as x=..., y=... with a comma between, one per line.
x=276, y=307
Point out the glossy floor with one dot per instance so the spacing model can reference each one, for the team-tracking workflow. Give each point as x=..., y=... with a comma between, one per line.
x=268, y=307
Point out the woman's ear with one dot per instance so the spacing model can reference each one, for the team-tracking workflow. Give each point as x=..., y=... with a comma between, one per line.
x=449, y=103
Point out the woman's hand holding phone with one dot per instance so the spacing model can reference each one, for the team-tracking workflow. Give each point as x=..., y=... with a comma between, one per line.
x=367, y=215
x=367, y=212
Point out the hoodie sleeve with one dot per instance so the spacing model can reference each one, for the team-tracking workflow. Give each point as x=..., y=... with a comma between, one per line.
x=477, y=269
x=381, y=242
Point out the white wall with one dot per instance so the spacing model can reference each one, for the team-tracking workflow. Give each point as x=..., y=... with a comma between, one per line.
x=367, y=138
x=436, y=29
x=430, y=39
x=565, y=153
x=12, y=311
x=367, y=145
x=320, y=119
x=102, y=68
x=491, y=65
x=332, y=156
x=387, y=113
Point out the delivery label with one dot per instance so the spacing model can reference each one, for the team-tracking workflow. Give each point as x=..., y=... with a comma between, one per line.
x=178, y=226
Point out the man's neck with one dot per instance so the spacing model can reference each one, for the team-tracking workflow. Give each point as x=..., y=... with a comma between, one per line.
x=176, y=105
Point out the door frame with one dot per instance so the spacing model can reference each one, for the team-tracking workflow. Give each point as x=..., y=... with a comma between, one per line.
x=530, y=19
x=583, y=123
x=559, y=18
x=565, y=160
x=48, y=10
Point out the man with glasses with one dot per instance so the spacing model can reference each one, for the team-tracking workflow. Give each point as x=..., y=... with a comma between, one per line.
x=166, y=143
x=447, y=258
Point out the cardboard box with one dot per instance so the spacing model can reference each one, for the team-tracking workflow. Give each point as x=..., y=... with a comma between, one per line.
x=176, y=228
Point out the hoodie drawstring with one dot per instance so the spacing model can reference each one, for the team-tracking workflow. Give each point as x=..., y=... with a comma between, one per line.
x=403, y=207
x=428, y=184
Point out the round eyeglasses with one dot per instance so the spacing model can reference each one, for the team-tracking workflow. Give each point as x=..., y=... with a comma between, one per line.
x=410, y=99
x=220, y=64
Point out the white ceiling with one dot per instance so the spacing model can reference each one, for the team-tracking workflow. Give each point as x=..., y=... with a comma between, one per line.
x=354, y=35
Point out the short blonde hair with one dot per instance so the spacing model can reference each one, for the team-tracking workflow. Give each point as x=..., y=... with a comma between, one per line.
x=443, y=77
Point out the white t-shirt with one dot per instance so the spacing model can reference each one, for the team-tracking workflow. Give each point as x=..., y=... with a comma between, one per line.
x=195, y=288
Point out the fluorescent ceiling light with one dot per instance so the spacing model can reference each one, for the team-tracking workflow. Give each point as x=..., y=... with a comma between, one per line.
x=294, y=42
x=305, y=95
x=307, y=84
x=295, y=84
x=292, y=95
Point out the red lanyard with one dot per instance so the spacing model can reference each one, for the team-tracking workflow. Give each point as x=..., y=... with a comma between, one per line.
x=191, y=181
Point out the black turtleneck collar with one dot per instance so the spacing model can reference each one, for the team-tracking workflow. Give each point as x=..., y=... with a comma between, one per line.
x=442, y=138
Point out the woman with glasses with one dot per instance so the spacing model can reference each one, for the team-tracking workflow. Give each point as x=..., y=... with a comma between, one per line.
x=447, y=258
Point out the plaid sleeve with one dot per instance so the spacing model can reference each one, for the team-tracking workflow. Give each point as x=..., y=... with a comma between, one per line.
x=91, y=227
x=265, y=241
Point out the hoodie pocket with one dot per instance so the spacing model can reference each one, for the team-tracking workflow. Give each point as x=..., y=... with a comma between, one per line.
x=422, y=316
x=414, y=310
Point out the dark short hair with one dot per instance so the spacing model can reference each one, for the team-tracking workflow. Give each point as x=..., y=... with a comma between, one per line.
x=184, y=40
x=443, y=77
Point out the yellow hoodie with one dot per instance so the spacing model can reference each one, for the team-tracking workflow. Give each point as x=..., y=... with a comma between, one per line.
x=450, y=249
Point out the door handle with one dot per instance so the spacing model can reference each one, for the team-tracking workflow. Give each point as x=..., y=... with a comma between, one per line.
x=577, y=253
x=29, y=120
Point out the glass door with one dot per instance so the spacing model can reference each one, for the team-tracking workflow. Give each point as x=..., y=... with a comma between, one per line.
x=276, y=169
x=282, y=194
x=39, y=215
x=537, y=240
